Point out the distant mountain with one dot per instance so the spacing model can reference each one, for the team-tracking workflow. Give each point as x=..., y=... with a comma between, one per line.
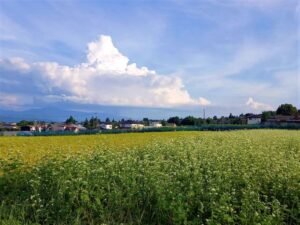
x=80, y=113
x=60, y=111
x=45, y=114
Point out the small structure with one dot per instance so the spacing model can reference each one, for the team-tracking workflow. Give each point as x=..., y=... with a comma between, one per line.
x=40, y=128
x=74, y=127
x=155, y=123
x=283, y=120
x=9, y=127
x=71, y=127
x=171, y=125
x=57, y=127
x=28, y=128
x=254, y=119
x=106, y=126
x=132, y=125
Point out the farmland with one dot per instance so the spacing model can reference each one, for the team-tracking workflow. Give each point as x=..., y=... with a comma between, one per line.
x=236, y=177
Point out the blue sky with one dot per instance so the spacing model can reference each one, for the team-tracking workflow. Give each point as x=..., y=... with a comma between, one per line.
x=238, y=55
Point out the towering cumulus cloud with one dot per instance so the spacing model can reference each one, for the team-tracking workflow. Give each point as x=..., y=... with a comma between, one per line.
x=106, y=77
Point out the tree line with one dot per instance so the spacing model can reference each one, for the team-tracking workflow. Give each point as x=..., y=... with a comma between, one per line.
x=94, y=122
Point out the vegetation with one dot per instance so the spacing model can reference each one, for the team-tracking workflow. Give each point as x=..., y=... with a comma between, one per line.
x=91, y=124
x=71, y=120
x=267, y=115
x=24, y=123
x=238, y=177
x=287, y=110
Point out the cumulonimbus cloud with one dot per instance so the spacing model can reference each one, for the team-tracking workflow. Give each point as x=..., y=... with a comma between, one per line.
x=106, y=77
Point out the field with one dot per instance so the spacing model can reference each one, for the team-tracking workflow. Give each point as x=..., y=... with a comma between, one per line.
x=233, y=177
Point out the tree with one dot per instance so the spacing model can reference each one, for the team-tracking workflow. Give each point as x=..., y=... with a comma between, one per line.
x=94, y=122
x=189, y=121
x=86, y=124
x=107, y=120
x=146, y=121
x=231, y=116
x=287, y=110
x=175, y=120
x=71, y=120
x=200, y=121
x=163, y=122
x=267, y=115
x=209, y=120
x=24, y=123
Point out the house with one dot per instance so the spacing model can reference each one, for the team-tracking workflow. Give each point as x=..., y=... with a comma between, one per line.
x=28, y=128
x=9, y=126
x=171, y=125
x=74, y=127
x=81, y=127
x=57, y=127
x=106, y=126
x=283, y=120
x=130, y=124
x=253, y=119
x=40, y=128
x=71, y=127
x=155, y=123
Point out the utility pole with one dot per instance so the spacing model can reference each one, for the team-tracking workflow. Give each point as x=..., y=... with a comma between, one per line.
x=203, y=113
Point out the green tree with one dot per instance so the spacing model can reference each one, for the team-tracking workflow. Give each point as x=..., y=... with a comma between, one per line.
x=287, y=110
x=24, y=123
x=189, y=121
x=94, y=122
x=267, y=115
x=175, y=120
x=71, y=120
x=163, y=122
x=86, y=124
x=146, y=121
x=209, y=120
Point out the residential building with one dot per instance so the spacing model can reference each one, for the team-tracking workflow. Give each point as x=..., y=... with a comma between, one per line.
x=106, y=126
x=155, y=123
x=171, y=125
x=283, y=120
x=254, y=119
x=57, y=127
x=132, y=125
x=9, y=126
x=28, y=128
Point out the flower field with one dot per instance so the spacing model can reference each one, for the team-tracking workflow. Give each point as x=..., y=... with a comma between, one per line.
x=235, y=177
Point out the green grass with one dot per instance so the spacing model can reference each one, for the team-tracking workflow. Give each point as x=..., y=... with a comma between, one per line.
x=237, y=177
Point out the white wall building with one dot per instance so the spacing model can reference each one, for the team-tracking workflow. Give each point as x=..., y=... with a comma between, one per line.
x=155, y=124
x=253, y=120
x=105, y=126
x=132, y=125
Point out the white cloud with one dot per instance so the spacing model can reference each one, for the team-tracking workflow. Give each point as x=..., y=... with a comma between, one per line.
x=106, y=78
x=204, y=101
x=15, y=63
x=12, y=101
x=258, y=105
x=8, y=100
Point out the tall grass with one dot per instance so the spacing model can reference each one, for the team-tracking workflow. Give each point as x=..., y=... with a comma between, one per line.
x=203, y=178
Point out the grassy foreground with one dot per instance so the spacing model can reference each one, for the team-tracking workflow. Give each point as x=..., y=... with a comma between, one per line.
x=238, y=177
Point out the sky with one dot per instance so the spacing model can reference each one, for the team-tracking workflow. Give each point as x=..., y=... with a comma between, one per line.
x=225, y=56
